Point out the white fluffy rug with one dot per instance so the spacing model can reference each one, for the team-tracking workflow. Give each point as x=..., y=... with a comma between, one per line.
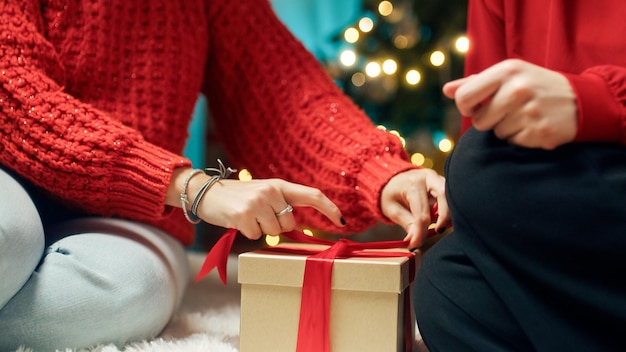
x=207, y=321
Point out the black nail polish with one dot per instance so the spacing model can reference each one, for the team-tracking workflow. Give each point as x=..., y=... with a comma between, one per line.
x=343, y=221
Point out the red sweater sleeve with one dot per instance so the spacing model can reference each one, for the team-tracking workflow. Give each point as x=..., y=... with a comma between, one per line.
x=601, y=100
x=485, y=30
x=67, y=147
x=280, y=115
x=590, y=56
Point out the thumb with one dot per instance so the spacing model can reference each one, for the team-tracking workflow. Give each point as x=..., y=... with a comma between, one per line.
x=449, y=89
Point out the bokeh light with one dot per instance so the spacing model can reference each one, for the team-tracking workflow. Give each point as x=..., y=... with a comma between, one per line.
x=390, y=66
x=462, y=44
x=366, y=24
x=358, y=79
x=347, y=57
x=272, y=240
x=413, y=77
x=351, y=35
x=372, y=69
x=445, y=145
x=244, y=175
x=418, y=159
x=437, y=58
x=385, y=8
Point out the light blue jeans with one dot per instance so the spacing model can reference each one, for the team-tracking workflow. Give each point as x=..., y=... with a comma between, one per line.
x=104, y=281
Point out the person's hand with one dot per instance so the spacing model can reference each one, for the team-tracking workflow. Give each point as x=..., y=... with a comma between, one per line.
x=524, y=104
x=258, y=207
x=406, y=200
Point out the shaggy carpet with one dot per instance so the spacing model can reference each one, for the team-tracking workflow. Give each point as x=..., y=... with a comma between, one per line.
x=207, y=321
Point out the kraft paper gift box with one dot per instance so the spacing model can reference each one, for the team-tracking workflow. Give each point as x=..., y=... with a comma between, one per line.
x=369, y=301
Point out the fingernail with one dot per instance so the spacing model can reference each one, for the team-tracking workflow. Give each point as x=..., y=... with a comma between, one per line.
x=442, y=230
x=343, y=221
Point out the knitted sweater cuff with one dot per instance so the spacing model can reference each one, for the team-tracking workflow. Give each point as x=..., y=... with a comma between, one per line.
x=146, y=174
x=375, y=174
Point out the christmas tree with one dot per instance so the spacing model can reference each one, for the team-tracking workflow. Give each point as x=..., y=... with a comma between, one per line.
x=393, y=63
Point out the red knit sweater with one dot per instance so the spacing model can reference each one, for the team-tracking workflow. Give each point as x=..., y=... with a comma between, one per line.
x=584, y=39
x=96, y=97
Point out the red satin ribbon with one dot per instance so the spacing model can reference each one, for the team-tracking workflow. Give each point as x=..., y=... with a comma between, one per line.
x=313, y=329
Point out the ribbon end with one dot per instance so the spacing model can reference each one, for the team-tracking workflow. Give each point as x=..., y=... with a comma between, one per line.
x=218, y=257
x=208, y=266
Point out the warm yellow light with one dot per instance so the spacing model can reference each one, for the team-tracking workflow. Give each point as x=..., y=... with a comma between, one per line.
x=413, y=77
x=245, y=175
x=366, y=24
x=385, y=8
x=351, y=35
x=358, y=79
x=390, y=66
x=347, y=57
x=307, y=232
x=418, y=159
x=272, y=240
x=372, y=69
x=445, y=145
x=462, y=44
x=401, y=41
x=437, y=58
x=428, y=163
x=397, y=134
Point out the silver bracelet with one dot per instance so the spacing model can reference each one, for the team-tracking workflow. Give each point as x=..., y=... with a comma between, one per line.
x=183, y=196
x=205, y=187
x=220, y=173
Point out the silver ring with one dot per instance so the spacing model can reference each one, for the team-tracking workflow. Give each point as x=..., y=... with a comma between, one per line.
x=289, y=209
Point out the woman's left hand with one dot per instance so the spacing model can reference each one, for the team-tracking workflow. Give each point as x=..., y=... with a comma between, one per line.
x=406, y=200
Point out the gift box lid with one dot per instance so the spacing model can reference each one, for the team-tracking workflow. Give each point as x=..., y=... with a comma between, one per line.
x=265, y=267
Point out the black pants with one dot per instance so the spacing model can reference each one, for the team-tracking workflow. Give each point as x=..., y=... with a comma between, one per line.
x=537, y=259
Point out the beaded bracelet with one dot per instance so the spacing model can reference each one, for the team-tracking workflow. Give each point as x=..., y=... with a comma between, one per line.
x=183, y=196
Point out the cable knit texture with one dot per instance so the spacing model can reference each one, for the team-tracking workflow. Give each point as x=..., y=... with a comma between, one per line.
x=96, y=97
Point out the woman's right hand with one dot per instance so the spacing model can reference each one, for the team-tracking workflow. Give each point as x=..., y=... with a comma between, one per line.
x=524, y=104
x=252, y=207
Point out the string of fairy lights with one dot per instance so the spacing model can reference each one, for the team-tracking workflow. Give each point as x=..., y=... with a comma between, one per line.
x=402, y=58
x=389, y=66
x=387, y=55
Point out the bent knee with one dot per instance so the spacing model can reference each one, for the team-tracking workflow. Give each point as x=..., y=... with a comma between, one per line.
x=21, y=237
x=128, y=294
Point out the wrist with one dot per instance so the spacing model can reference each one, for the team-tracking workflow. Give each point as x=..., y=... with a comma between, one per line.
x=188, y=186
x=176, y=184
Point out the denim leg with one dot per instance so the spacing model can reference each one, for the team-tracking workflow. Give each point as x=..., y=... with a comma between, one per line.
x=21, y=237
x=108, y=281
